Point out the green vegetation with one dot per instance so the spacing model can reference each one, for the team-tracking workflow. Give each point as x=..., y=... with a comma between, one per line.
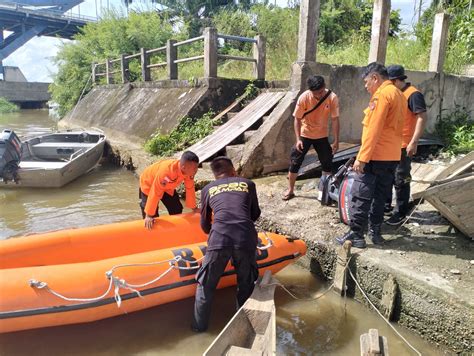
x=6, y=106
x=188, y=132
x=456, y=129
x=344, y=39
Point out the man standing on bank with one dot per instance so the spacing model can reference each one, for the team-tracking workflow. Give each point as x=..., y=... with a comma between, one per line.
x=413, y=127
x=312, y=112
x=378, y=156
x=159, y=182
x=229, y=208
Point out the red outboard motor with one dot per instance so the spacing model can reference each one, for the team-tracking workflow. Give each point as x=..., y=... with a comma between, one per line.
x=10, y=155
x=345, y=197
x=337, y=188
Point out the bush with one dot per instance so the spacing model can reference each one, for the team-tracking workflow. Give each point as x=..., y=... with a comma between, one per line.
x=456, y=129
x=6, y=106
x=188, y=132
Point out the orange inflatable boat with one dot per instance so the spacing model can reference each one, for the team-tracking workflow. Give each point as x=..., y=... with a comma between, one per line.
x=81, y=275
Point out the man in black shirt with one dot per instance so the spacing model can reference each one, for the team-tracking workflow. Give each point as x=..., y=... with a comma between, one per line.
x=413, y=127
x=229, y=208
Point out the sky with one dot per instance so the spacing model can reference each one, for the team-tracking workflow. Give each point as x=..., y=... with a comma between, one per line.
x=35, y=57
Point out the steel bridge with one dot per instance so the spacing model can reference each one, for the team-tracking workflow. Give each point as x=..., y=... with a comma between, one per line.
x=36, y=18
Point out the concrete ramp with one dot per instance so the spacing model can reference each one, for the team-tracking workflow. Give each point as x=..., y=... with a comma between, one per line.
x=235, y=127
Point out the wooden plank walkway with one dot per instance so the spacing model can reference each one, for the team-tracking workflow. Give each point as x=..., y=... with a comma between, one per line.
x=232, y=129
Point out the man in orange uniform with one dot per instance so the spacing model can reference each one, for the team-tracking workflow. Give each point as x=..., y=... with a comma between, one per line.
x=159, y=182
x=312, y=112
x=378, y=156
x=413, y=127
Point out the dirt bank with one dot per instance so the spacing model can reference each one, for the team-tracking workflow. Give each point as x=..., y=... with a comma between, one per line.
x=432, y=263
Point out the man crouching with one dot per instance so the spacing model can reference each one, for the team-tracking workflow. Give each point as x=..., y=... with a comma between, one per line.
x=229, y=208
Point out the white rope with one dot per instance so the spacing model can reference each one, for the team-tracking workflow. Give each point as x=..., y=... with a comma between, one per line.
x=380, y=314
x=82, y=94
x=119, y=283
x=268, y=245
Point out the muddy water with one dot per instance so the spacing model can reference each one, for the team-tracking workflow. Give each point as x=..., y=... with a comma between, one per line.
x=329, y=326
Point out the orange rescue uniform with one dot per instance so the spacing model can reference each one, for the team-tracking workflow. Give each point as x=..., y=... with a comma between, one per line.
x=315, y=124
x=163, y=177
x=410, y=118
x=383, y=125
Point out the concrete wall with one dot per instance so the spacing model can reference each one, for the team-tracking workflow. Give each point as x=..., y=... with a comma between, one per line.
x=268, y=150
x=13, y=74
x=24, y=92
x=134, y=112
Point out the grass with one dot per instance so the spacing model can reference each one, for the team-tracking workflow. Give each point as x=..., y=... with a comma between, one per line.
x=188, y=132
x=456, y=129
x=6, y=106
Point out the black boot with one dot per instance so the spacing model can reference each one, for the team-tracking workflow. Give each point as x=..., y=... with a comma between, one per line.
x=356, y=239
x=375, y=234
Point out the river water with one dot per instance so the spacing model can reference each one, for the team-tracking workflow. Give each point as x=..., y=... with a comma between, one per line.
x=329, y=326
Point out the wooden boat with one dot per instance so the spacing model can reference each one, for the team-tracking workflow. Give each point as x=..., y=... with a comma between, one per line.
x=453, y=200
x=81, y=275
x=53, y=160
x=252, y=330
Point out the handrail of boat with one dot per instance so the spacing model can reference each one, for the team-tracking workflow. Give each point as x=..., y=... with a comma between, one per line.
x=79, y=151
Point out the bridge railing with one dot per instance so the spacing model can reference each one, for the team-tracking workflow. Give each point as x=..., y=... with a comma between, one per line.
x=112, y=67
x=30, y=9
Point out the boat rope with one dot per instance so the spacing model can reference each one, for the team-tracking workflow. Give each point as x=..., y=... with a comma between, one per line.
x=317, y=296
x=120, y=283
x=362, y=292
x=82, y=94
x=381, y=315
x=268, y=245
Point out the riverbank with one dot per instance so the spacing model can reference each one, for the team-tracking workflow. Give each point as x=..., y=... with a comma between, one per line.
x=430, y=261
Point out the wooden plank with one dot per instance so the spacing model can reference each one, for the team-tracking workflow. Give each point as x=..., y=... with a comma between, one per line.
x=228, y=132
x=343, y=255
x=462, y=165
x=446, y=199
x=253, y=328
x=372, y=344
x=229, y=108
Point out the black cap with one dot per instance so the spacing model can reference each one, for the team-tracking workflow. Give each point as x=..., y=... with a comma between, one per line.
x=396, y=72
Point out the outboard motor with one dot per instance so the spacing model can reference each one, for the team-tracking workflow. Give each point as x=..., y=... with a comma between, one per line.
x=10, y=155
x=337, y=188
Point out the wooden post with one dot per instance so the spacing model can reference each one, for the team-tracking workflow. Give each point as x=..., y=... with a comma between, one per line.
x=438, y=42
x=124, y=69
x=371, y=344
x=171, y=56
x=343, y=255
x=94, y=76
x=210, y=52
x=259, y=55
x=107, y=71
x=308, y=30
x=380, y=26
x=145, y=62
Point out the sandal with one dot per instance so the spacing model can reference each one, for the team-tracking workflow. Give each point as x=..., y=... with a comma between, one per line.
x=288, y=196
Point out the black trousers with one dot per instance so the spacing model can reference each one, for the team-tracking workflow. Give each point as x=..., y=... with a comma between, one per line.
x=370, y=191
x=208, y=276
x=171, y=202
x=402, y=183
x=323, y=149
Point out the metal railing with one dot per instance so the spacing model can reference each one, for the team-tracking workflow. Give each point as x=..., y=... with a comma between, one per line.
x=210, y=58
x=30, y=9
